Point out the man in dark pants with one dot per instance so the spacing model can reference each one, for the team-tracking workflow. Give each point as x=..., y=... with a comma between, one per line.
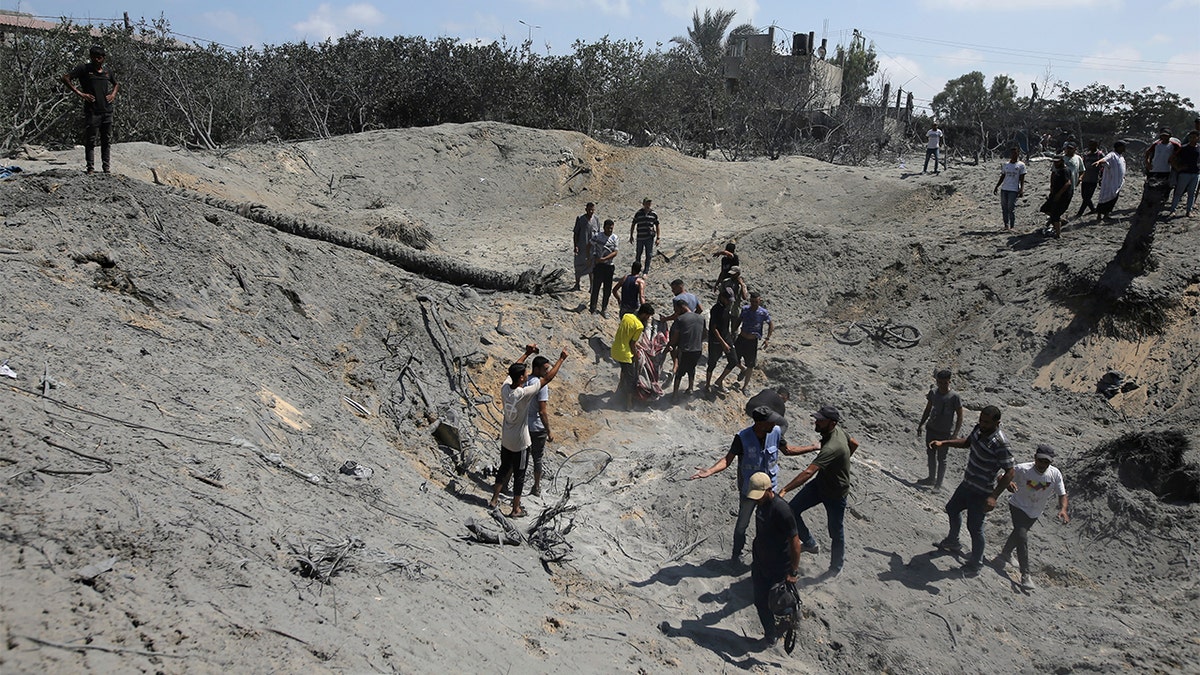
x=97, y=87
x=604, y=251
x=977, y=493
x=756, y=449
x=776, y=399
x=539, y=422
x=1090, y=178
x=645, y=229
x=776, y=548
x=944, y=412
x=831, y=487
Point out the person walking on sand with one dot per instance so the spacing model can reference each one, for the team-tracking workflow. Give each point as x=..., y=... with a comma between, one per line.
x=604, y=251
x=1111, y=181
x=944, y=413
x=720, y=340
x=1186, y=161
x=630, y=290
x=736, y=285
x=776, y=549
x=98, y=88
x=1074, y=165
x=756, y=449
x=645, y=227
x=1060, y=197
x=624, y=347
x=1033, y=484
x=539, y=422
x=1011, y=186
x=933, y=147
x=729, y=258
x=990, y=456
x=1090, y=178
x=687, y=341
x=831, y=487
x=749, y=328
x=587, y=226
x=514, y=431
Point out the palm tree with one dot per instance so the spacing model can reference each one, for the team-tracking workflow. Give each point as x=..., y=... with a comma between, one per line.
x=706, y=37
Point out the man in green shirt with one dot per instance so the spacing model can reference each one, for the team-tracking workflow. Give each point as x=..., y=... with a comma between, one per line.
x=831, y=486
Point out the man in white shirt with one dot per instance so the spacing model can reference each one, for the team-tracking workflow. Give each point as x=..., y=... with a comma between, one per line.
x=933, y=147
x=1011, y=185
x=1111, y=181
x=1033, y=484
x=516, y=398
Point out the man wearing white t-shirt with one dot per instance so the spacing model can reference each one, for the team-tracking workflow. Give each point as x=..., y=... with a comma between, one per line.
x=933, y=147
x=514, y=433
x=1011, y=186
x=1033, y=484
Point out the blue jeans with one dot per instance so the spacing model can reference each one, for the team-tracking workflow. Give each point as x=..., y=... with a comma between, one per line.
x=936, y=154
x=1186, y=184
x=974, y=503
x=745, y=513
x=835, y=514
x=646, y=245
x=1008, y=207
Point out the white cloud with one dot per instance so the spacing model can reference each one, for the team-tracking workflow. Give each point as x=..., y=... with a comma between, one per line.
x=1175, y=5
x=245, y=31
x=1159, y=39
x=1014, y=5
x=329, y=21
x=746, y=10
x=963, y=57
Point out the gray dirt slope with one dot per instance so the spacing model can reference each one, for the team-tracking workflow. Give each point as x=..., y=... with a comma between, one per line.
x=190, y=381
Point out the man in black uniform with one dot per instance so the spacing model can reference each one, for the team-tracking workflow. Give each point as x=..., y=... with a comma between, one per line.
x=776, y=548
x=97, y=87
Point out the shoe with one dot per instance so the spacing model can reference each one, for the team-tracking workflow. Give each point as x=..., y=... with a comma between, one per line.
x=1001, y=561
x=925, y=481
x=834, y=571
x=949, y=545
x=971, y=568
x=1027, y=582
x=814, y=549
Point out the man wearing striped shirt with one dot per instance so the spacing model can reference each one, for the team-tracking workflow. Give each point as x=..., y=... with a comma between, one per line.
x=990, y=457
x=645, y=226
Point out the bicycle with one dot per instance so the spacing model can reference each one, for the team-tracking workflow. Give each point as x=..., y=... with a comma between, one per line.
x=897, y=335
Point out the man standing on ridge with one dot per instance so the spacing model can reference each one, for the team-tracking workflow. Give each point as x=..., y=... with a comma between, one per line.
x=645, y=227
x=604, y=251
x=98, y=88
x=587, y=226
x=1111, y=181
x=1011, y=186
x=933, y=148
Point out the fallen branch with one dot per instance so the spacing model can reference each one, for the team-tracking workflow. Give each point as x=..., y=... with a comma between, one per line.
x=101, y=648
x=108, y=466
x=953, y=640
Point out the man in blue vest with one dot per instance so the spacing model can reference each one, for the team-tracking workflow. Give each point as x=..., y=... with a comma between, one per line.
x=756, y=449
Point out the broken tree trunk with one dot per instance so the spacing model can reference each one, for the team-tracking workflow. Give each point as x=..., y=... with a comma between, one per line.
x=432, y=265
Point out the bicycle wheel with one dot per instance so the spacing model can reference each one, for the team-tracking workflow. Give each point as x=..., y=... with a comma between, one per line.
x=902, y=335
x=789, y=636
x=849, y=333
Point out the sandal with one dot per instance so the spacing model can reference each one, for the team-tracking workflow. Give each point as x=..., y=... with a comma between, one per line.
x=517, y=514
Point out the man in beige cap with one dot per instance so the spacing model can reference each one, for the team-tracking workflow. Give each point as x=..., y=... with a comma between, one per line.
x=776, y=548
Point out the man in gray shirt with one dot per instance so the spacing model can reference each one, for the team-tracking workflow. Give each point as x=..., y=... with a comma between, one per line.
x=687, y=336
x=944, y=413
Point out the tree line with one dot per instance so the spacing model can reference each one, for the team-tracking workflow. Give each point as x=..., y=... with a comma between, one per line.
x=675, y=94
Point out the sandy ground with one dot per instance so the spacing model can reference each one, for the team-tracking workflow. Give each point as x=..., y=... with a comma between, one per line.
x=204, y=378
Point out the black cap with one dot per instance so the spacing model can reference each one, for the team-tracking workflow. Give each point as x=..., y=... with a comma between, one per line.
x=761, y=414
x=828, y=412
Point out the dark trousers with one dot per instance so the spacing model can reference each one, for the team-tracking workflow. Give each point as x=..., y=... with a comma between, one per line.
x=90, y=133
x=935, y=153
x=936, y=458
x=512, y=464
x=602, y=277
x=1019, y=539
x=974, y=502
x=645, y=246
x=537, y=449
x=745, y=513
x=835, y=515
x=1086, y=190
x=764, y=576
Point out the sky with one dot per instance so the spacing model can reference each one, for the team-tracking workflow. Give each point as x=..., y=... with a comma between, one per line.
x=921, y=44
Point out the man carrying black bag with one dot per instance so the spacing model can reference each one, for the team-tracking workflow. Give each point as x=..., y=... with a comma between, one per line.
x=776, y=549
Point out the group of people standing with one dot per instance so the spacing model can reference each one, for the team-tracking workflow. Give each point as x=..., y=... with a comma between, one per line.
x=736, y=328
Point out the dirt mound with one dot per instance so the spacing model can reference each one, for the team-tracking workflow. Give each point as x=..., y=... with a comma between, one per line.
x=1151, y=461
x=190, y=380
